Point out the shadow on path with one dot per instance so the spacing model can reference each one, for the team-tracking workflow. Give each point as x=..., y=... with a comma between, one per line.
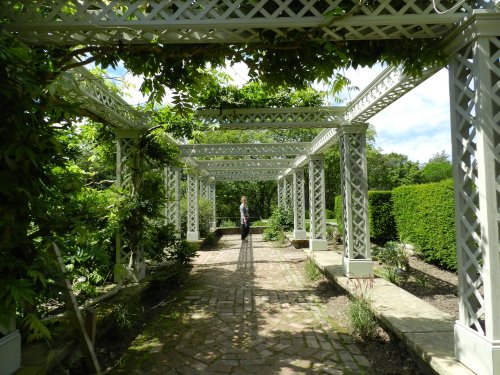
x=246, y=309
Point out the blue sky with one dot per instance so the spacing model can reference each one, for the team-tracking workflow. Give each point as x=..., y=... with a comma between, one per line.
x=416, y=125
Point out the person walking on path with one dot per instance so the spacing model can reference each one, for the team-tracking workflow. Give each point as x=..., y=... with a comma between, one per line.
x=245, y=223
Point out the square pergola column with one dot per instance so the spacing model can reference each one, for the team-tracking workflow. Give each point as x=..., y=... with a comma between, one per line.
x=288, y=192
x=299, y=232
x=128, y=260
x=475, y=131
x=172, y=205
x=317, y=215
x=357, y=260
x=212, y=195
x=281, y=192
x=193, y=228
x=204, y=186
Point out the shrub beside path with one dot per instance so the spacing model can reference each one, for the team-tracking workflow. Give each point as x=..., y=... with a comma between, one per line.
x=246, y=309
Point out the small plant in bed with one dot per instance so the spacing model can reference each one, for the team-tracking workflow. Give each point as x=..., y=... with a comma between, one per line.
x=311, y=270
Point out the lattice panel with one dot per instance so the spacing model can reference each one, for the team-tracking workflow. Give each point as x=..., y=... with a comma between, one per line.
x=204, y=193
x=250, y=149
x=212, y=197
x=244, y=175
x=298, y=201
x=125, y=154
x=280, y=192
x=273, y=118
x=322, y=141
x=289, y=192
x=192, y=212
x=475, y=101
x=464, y=142
x=317, y=198
x=283, y=192
x=172, y=188
x=222, y=21
x=81, y=86
x=245, y=164
x=388, y=87
x=354, y=195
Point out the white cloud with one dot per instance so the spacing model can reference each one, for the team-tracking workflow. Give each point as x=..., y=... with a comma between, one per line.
x=416, y=125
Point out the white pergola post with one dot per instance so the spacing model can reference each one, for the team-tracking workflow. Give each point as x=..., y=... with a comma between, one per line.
x=280, y=183
x=288, y=192
x=212, y=195
x=204, y=193
x=317, y=240
x=193, y=229
x=128, y=263
x=299, y=232
x=354, y=185
x=173, y=199
x=475, y=130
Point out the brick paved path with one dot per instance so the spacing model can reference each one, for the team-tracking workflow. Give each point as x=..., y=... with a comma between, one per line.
x=248, y=310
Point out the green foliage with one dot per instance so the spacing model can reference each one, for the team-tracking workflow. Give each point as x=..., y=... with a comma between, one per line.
x=381, y=219
x=124, y=317
x=205, y=215
x=259, y=223
x=361, y=317
x=226, y=223
x=391, y=274
x=437, y=169
x=30, y=153
x=55, y=177
x=393, y=254
x=210, y=240
x=182, y=252
x=179, y=125
x=388, y=171
x=280, y=221
x=258, y=95
x=260, y=195
x=424, y=216
x=396, y=263
x=359, y=311
x=311, y=270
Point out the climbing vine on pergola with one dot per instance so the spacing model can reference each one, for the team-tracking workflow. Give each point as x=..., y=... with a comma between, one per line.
x=289, y=43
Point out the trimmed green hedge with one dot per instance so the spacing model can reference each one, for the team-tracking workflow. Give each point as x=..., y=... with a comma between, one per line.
x=381, y=218
x=424, y=216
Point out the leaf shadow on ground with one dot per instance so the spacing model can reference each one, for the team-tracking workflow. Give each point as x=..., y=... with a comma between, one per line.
x=225, y=319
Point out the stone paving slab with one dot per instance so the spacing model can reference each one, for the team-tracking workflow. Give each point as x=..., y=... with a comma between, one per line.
x=426, y=330
x=247, y=309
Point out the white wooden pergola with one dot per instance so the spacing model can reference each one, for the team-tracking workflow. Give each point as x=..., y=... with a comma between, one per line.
x=470, y=36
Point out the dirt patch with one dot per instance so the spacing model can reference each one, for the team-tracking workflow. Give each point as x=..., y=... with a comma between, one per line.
x=386, y=353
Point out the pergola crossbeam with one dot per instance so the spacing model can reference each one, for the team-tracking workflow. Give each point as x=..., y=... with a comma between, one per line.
x=218, y=21
x=249, y=149
x=82, y=87
x=274, y=118
x=245, y=164
x=245, y=175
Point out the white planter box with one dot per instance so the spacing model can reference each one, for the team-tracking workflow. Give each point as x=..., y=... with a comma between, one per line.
x=10, y=353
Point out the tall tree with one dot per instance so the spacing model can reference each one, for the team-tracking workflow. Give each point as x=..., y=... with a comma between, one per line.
x=437, y=168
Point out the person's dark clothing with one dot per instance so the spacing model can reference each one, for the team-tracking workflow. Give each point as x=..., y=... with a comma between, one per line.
x=245, y=222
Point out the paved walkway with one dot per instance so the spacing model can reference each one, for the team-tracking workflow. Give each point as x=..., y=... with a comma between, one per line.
x=249, y=310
